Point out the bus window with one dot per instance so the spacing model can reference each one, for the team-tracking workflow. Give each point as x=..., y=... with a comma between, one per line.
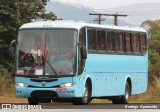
x=119, y=41
x=136, y=42
x=89, y=33
x=110, y=41
x=143, y=43
x=103, y=45
x=94, y=40
x=92, y=46
x=82, y=40
x=128, y=42
x=82, y=37
x=101, y=41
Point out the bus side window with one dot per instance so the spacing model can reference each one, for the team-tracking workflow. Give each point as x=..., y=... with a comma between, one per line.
x=136, y=43
x=94, y=40
x=143, y=43
x=119, y=41
x=127, y=42
x=110, y=41
x=101, y=40
x=89, y=34
x=92, y=46
x=82, y=41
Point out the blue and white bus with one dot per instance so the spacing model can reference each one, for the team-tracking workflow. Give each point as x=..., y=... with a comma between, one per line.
x=78, y=61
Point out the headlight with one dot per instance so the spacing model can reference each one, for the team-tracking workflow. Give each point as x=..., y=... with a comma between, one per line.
x=22, y=85
x=67, y=85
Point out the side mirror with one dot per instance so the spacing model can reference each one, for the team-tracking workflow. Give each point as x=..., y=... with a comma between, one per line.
x=13, y=47
x=83, y=52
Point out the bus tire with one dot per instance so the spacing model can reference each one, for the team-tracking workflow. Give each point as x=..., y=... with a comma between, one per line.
x=123, y=99
x=33, y=101
x=85, y=99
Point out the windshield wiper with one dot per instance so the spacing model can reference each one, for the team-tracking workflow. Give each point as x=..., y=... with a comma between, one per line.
x=51, y=67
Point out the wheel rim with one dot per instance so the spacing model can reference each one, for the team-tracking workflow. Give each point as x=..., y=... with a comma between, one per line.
x=127, y=94
x=86, y=95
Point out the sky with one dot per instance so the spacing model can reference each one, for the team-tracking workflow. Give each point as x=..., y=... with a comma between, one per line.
x=102, y=4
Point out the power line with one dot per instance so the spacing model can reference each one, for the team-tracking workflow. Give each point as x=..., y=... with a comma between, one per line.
x=140, y=11
x=144, y=14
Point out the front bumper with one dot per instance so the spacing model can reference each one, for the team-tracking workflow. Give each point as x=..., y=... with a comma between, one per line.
x=26, y=92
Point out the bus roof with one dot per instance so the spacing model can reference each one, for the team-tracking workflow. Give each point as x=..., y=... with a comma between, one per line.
x=76, y=25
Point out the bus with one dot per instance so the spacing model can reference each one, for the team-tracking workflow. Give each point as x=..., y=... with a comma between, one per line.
x=70, y=61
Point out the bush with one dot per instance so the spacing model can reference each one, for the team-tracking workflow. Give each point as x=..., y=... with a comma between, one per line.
x=154, y=72
x=156, y=85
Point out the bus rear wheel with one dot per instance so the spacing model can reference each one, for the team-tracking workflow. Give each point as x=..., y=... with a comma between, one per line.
x=86, y=97
x=123, y=99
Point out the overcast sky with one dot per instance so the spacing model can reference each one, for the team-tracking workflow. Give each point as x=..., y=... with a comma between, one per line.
x=101, y=4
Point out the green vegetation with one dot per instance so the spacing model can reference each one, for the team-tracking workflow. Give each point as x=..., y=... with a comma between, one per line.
x=26, y=10
x=154, y=48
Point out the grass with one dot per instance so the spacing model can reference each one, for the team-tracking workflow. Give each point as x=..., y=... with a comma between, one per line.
x=7, y=86
x=101, y=101
x=155, y=99
x=8, y=91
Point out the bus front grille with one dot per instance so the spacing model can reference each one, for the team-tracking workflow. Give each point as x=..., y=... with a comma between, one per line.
x=44, y=94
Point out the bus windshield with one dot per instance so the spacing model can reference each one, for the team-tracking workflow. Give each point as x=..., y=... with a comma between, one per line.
x=46, y=52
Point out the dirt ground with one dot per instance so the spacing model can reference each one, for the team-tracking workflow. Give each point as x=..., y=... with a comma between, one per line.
x=4, y=99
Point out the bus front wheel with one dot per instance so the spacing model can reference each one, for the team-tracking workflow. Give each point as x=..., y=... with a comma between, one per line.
x=33, y=101
x=86, y=97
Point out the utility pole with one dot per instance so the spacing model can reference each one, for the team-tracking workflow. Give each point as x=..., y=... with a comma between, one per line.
x=99, y=17
x=99, y=20
x=115, y=17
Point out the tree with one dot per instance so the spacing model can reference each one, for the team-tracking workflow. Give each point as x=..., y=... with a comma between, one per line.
x=153, y=48
x=154, y=28
x=14, y=13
